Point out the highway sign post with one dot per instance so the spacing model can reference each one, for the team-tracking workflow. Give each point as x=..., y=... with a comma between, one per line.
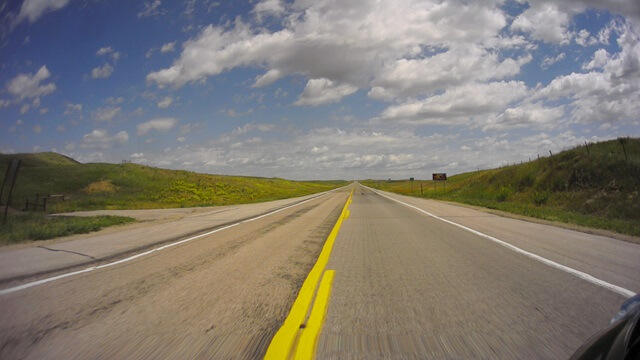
x=439, y=177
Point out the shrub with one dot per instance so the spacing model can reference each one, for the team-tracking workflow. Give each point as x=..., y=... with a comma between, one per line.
x=504, y=193
x=540, y=197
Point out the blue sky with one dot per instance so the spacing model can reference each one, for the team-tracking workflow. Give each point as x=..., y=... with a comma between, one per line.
x=319, y=89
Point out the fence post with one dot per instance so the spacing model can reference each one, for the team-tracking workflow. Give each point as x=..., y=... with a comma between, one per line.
x=622, y=142
x=14, y=167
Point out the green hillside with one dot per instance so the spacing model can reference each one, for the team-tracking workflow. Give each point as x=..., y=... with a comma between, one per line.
x=131, y=186
x=598, y=187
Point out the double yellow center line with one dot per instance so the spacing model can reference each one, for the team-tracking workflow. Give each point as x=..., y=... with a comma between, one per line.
x=297, y=337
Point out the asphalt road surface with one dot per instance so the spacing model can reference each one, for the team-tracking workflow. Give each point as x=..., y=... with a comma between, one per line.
x=222, y=296
x=406, y=285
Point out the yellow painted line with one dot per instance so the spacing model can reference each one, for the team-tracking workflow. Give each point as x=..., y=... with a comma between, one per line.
x=307, y=345
x=285, y=339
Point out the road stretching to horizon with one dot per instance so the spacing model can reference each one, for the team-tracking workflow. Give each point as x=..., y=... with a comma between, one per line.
x=406, y=285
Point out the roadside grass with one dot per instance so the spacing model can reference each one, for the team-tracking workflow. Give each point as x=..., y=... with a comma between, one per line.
x=598, y=188
x=97, y=186
x=37, y=226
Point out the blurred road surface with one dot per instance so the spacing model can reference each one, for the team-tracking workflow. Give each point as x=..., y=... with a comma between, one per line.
x=409, y=286
x=406, y=286
x=221, y=296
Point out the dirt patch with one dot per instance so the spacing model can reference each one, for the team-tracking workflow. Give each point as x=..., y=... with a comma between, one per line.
x=102, y=186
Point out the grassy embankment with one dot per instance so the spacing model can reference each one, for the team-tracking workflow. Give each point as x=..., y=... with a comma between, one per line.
x=37, y=226
x=130, y=186
x=598, y=188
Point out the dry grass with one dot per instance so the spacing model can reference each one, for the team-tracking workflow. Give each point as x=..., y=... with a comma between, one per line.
x=103, y=186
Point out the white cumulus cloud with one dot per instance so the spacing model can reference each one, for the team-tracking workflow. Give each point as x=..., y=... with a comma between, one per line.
x=165, y=103
x=250, y=127
x=324, y=91
x=71, y=109
x=544, y=21
x=31, y=85
x=34, y=9
x=158, y=124
x=108, y=50
x=268, y=8
x=327, y=44
x=461, y=105
x=609, y=92
x=151, y=9
x=101, y=139
x=102, y=72
x=107, y=113
x=168, y=47
x=550, y=60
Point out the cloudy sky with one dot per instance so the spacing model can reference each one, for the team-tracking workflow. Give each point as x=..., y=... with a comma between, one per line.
x=317, y=89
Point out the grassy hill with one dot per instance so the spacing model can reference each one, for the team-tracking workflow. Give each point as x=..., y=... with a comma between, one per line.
x=131, y=186
x=595, y=187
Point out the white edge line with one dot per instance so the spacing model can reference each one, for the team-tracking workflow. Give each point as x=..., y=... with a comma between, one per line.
x=618, y=289
x=62, y=276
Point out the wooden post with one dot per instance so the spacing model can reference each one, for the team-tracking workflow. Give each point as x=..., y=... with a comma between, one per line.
x=622, y=142
x=14, y=167
x=44, y=204
x=421, y=193
x=6, y=176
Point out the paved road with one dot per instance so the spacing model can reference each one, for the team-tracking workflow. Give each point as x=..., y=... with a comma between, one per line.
x=220, y=296
x=408, y=285
x=156, y=227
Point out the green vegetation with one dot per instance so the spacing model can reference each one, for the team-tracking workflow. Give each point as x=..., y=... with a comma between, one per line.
x=37, y=226
x=123, y=186
x=130, y=186
x=596, y=186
